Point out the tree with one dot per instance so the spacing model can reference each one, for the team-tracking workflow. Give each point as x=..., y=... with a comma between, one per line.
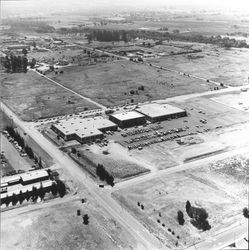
x=7, y=200
x=180, y=217
x=73, y=150
x=40, y=163
x=110, y=180
x=34, y=194
x=24, y=51
x=41, y=192
x=246, y=212
x=78, y=154
x=54, y=189
x=21, y=197
x=86, y=219
x=188, y=206
x=61, y=188
x=14, y=199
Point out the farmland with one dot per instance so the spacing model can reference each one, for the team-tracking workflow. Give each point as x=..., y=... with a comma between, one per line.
x=110, y=83
x=164, y=196
x=33, y=97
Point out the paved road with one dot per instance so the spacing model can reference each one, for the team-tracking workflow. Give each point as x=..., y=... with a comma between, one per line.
x=70, y=90
x=147, y=240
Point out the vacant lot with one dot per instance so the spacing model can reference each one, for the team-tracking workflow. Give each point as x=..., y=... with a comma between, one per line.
x=58, y=227
x=164, y=196
x=226, y=66
x=110, y=84
x=117, y=161
x=32, y=96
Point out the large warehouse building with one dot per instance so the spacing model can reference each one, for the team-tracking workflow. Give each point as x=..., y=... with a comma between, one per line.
x=128, y=119
x=155, y=112
x=83, y=129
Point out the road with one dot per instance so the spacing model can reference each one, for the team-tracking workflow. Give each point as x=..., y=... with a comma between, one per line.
x=147, y=240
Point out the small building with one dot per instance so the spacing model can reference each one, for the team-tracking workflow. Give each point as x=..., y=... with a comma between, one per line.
x=34, y=176
x=83, y=129
x=128, y=119
x=155, y=112
x=18, y=46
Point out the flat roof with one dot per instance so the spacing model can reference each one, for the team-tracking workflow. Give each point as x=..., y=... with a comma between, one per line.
x=33, y=175
x=157, y=110
x=84, y=127
x=127, y=115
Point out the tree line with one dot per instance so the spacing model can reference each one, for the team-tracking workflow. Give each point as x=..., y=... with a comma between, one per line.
x=128, y=35
x=57, y=188
x=104, y=175
x=28, y=150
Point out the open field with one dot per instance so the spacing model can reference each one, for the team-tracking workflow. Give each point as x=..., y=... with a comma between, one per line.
x=203, y=187
x=117, y=162
x=238, y=101
x=32, y=96
x=41, y=228
x=226, y=66
x=110, y=84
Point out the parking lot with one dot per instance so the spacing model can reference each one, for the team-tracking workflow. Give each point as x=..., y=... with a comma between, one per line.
x=13, y=155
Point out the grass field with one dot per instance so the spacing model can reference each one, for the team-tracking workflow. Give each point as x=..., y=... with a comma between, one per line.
x=117, y=162
x=32, y=96
x=226, y=66
x=110, y=84
x=168, y=193
x=41, y=228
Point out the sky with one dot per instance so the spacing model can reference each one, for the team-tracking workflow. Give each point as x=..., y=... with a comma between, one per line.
x=40, y=7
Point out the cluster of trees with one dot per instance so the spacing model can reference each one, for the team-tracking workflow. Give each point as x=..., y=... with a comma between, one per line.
x=108, y=35
x=27, y=24
x=199, y=217
x=104, y=175
x=246, y=212
x=15, y=64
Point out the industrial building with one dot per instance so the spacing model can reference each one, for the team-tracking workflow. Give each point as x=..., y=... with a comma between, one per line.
x=24, y=182
x=83, y=129
x=128, y=119
x=155, y=112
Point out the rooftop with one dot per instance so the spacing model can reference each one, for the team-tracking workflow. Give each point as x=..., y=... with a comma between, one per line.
x=127, y=115
x=33, y=175
x=156, y=110
x=84, y=127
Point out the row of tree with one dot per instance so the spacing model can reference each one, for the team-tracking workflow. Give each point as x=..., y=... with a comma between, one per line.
x=28, y=150
x=104, y=175
x=128, y=35
x=57, y=187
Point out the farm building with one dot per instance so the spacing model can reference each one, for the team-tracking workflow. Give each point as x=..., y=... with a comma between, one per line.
x=155, y=112
x=83, y=129
x=128, y=119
